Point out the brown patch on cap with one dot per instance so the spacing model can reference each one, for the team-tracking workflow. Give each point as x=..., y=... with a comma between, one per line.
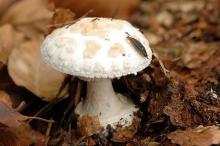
x=126, y=63
x=72, y=47
x=119, y=25
x=92, y=48
x=68, y=43
x=87, y=65
x=95, y=28
x=116, y=50
x=115, y=67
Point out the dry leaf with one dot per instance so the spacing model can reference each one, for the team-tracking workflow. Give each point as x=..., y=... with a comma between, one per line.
x=200, y=136
x=27, y=69
x=62, y=16
x=102, y=8
x=4, y=4
x=178, y=109
x=124, y=134
x=89, y=125
x=9, y=138
x=29, y=16
x=25, y=132
x=15, y=121
x=9, y=39
x=196, y=54
x=185, y=6
x=5, y=98
x=9, y=117
x=165, y=18
x=23, y=135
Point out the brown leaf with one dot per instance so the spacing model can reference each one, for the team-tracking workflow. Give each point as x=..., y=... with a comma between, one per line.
x=8, y=41
x=27, y=69
x=25, y=132
x=196, y=54
x=124, y=134
x=102, y=8
x=29, y=16
x=178, y=109
x=5, y=98
x=15, y=121
x=200, y=136
x=5, y=4
x=9, y=138
x=60, y=18
x=23, y=135
x=89, y=125
x=9, y=117
x=62, y=15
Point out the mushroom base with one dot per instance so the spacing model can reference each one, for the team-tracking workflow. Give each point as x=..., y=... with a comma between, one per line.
x=101, y=101
x=88, y=126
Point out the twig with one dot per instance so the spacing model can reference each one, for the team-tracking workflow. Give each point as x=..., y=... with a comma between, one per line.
x=20, y=107
x=49, y=128
x=65, y=82
x=165, y=71
x=41, y=119
x=78, y=93
x=72, y=103
x=47, y=106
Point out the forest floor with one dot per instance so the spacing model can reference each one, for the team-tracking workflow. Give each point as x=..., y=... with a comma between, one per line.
x=178, y=106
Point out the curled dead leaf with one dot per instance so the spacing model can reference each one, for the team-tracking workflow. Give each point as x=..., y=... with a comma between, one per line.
x=28, y=70
x=200, y=136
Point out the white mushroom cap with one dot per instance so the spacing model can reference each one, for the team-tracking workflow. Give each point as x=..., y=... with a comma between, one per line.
x=96, y=48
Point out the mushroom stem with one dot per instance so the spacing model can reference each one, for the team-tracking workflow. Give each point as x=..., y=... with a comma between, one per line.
x=101, y=100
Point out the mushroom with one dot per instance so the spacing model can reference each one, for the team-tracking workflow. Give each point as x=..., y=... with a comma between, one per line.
x=98, y=50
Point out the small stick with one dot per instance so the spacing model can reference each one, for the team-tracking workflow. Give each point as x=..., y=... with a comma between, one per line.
x=72, y=103
x=49, y=128
x=78, y=93
x=20, y=107
x=69, y=130
x=47, y=106
x=41, y=119
x=64, y=84
x=76, y=101
x=165, y=71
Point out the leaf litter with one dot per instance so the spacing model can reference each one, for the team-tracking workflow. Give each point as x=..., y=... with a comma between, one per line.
x=179, y=108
